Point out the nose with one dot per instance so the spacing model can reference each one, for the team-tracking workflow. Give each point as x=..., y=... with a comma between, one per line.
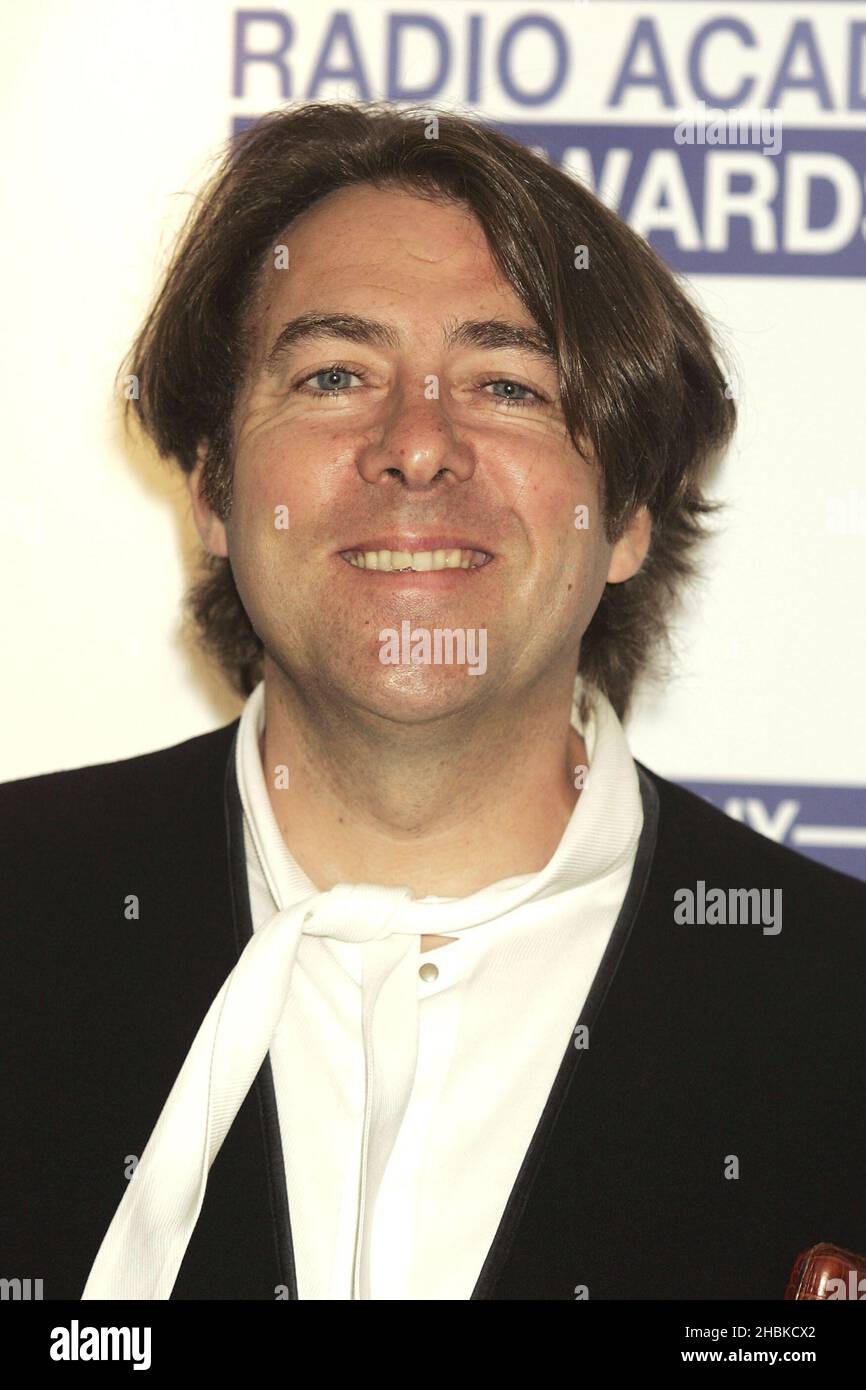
x=416, y=445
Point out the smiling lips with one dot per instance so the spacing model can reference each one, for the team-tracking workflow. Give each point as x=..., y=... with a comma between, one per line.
x=417, y=561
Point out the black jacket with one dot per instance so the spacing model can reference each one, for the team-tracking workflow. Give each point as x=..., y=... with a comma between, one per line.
x=705, y=1042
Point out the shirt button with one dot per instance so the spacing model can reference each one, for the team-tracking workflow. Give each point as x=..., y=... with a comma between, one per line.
x=429, y=972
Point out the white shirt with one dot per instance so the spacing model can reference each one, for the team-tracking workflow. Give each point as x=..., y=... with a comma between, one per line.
x=491, y=1029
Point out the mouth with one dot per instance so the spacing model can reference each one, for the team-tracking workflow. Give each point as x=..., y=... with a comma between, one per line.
x=385, y=560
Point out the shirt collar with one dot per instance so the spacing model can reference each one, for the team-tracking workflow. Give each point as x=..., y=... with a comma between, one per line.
x=601, y=834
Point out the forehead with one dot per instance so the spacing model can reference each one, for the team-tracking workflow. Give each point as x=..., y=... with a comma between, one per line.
x=388, y=250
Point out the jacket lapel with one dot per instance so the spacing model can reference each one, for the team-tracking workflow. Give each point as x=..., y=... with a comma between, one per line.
x=522, y=1259
x=241, y=1247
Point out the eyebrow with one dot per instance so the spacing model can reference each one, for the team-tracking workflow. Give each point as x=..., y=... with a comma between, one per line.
x=496, y=334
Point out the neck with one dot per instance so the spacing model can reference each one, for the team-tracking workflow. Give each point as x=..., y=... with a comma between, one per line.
x=443, y=809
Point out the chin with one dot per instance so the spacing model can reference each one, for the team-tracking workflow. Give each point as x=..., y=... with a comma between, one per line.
x=416, y=696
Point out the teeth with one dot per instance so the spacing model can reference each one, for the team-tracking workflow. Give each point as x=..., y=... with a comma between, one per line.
x=422, y=561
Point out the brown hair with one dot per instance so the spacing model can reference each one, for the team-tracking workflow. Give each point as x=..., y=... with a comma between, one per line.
x=639, y=373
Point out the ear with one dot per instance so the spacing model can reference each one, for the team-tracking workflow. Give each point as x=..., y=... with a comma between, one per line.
x=630, y=550
x=208, y=524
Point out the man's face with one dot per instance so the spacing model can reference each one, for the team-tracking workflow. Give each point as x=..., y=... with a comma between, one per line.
x=431, y=431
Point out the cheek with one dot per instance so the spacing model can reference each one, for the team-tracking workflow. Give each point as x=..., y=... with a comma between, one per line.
x=262, y=534
x=558, y=507
x=569, y=527
x=588, y=549
x=263, y=481
x=546, y=479
x=287, y=468
x=270, y=501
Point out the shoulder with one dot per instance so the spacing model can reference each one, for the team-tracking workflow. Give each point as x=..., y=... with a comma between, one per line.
x=694, y=835
x=730, y=920
x=58, y=809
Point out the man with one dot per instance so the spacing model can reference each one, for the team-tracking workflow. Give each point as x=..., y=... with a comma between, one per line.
x=412, y=983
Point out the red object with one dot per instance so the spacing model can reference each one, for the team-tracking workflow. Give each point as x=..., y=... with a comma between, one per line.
x=827, y=1271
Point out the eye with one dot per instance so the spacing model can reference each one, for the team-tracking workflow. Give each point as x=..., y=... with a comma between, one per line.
x=511, y=395
x=329, y=381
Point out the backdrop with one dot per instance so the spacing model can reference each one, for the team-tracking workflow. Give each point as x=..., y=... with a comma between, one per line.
x=113, y=113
